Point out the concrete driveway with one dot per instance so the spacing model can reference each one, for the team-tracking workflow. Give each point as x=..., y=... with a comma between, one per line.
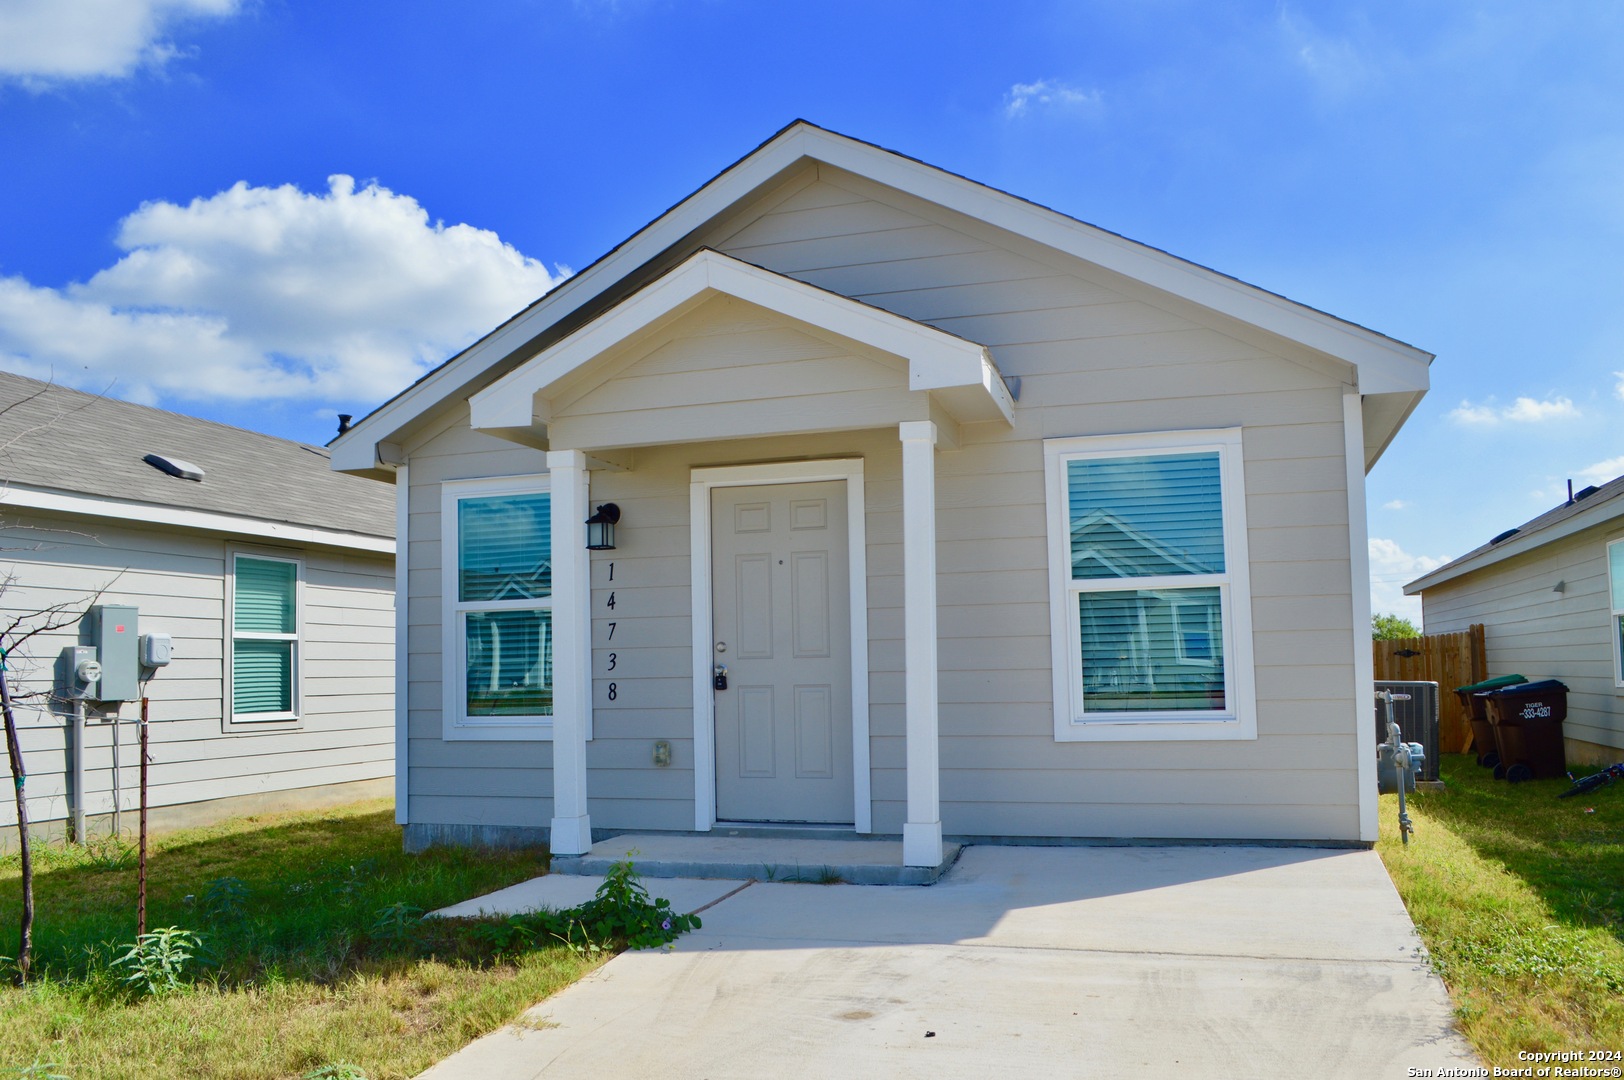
x=1043, y=962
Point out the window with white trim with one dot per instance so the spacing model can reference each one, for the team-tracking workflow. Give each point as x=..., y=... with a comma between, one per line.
x=498, y=589
x=265, y=619
x=1150, y=599
x=1615, y=582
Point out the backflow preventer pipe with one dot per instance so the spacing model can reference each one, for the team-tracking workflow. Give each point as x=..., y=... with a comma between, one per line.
x=1402, y=765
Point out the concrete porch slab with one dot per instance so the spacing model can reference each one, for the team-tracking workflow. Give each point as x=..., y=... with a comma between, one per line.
x=844, y=860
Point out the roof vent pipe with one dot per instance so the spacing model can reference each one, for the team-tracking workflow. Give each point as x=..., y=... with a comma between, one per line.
x=344, y=419
x=1570, y=491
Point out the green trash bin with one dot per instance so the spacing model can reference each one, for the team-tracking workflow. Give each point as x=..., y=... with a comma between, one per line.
x=1483, y=741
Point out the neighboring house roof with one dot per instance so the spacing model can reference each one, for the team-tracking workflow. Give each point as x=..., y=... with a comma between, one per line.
x=61, y=449
x=1391, y=375
x=1589, y=507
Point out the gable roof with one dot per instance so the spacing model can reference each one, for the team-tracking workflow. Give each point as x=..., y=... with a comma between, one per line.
x=57, y=444
x=1590, y=507
x=960, y=370
x=1382, y=365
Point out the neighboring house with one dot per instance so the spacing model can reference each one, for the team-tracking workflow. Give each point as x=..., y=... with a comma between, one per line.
x=999, y=524
x=273, y=575
x=1550, y=596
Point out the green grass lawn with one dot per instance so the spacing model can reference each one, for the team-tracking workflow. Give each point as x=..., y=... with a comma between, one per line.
x=311, y=953
x=1519, y=897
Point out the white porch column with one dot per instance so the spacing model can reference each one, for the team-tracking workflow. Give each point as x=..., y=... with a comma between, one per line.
x=922, y=832
x=572, y=652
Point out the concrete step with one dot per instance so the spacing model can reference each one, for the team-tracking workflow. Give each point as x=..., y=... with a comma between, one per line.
x=757, y=857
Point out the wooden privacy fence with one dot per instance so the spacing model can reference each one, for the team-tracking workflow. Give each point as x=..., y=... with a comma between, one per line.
x=1450, y=660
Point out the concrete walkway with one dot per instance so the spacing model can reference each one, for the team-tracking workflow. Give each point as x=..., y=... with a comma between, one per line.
x=1042, y=962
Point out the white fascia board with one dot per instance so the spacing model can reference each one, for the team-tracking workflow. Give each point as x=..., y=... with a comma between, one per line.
x=150, y=514
x=1517, y=545
x=936, y=359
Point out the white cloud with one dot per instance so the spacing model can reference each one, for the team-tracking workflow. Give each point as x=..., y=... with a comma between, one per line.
x=1026, y=98
x=1337, y=66
x=1524, y=410
x=1396, y=504
x=1391, y=568
x=260, y=292
x=1618, y=387
x=48, y=40
x=1601, y=471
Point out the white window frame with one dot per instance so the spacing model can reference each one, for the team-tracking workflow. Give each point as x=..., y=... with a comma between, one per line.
x=457, y=725
x=228, y=705
x=1613, y=617
x=1072, y=723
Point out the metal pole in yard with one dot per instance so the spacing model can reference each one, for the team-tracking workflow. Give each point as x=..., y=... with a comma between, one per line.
x=141, y=871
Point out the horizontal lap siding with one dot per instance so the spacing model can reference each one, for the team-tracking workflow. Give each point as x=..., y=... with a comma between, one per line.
x=1093, y=360
x=1531, y=629
x=177, y=581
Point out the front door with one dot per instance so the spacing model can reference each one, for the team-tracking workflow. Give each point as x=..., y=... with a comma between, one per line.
x=782, y=618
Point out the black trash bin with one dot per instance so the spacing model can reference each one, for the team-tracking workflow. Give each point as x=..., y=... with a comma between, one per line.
x=1527, y=723
x=1474, y=699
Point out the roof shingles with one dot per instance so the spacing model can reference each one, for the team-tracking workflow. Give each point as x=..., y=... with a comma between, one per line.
x=63, y=440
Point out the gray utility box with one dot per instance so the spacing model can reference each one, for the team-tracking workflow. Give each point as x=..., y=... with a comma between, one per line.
x=116, y=632
x=1417, y=718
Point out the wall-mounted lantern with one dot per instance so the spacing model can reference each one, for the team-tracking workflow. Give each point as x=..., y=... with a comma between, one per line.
x=600, y=528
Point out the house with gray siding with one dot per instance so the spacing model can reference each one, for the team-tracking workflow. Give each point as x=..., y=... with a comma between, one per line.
x=273, y=576
x=1550, y=596
x=941, y=513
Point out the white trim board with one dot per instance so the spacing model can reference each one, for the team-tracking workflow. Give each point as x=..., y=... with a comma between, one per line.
x=180, y=518
x=702, y=481
x=454, y=725
x=403, y=516
x=1384, y=364
x=1240, y=723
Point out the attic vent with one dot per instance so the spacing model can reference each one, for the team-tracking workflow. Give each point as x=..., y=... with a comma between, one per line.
x=174, y=466
x=1507, y=535
x=1585, y=493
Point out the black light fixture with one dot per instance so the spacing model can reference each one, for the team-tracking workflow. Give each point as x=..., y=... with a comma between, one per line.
x=600, y=528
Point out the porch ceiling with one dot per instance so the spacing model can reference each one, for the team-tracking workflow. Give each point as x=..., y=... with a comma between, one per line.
x=947, y=376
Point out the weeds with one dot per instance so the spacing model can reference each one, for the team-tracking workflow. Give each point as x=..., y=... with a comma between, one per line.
x=338, y=1070
x=156, y=961
x=621, y=915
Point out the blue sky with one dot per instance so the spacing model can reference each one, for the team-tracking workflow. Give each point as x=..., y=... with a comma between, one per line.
x=268, y=212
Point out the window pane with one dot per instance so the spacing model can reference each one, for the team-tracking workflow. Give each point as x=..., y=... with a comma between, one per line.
x=264, y=596
x=1615, y=571
x=510, y=663
x=504, y=547
x=1152, y=651
x=1146, y=516
x=261, y=677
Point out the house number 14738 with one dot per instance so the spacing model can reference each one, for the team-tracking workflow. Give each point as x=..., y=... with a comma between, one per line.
x=613, y=689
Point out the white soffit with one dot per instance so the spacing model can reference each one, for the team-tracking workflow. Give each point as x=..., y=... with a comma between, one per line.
x=1384, y=365
x=960, y=371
